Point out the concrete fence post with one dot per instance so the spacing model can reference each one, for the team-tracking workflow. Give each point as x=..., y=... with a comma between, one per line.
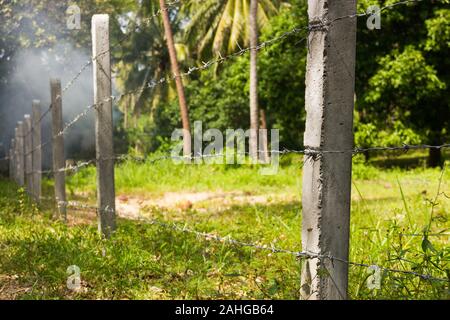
x=20, y=133
x=103, y=125
x=16, y=155
x=12, y=160
x=330, y=82
x=28, y=148
x=10, y=165
x=58, y=148
x=37, y=151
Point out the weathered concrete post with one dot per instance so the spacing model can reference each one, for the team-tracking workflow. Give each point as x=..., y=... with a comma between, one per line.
x=103, y=125
x=20, y=133
x=37, y=152
x=16, y=155
x=28, y=143
x=58, y=148
x=330, y=82
x=12, y=160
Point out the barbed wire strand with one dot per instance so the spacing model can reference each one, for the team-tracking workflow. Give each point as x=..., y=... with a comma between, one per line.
x=253, y=245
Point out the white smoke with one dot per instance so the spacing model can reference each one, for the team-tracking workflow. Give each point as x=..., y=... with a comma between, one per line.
x=31, y=81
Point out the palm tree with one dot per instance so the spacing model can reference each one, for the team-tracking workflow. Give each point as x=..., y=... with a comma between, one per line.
x=254, y=108
x=222, y=26
x=142, y=59
x=178, y=81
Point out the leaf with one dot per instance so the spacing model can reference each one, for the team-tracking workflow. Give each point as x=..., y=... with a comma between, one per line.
x=426, y=245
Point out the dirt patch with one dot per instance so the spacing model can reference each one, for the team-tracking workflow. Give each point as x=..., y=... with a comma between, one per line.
x=10, y=288
x=130, y=207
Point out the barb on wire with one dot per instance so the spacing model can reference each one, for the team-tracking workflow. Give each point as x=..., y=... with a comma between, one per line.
x=73, y=169
x=74, y=205
x=66, y=127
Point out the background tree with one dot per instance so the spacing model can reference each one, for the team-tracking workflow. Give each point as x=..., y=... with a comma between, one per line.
x=179, y=83
x=254, y=109
x=404, y=77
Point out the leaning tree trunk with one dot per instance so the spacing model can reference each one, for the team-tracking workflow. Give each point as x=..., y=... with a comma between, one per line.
x=179, y=83
x=254, y=114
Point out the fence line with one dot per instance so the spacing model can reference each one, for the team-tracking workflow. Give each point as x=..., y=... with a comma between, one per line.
x=284, y=152
x=310, y=153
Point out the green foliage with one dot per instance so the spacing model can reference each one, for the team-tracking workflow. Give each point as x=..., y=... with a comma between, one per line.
x=438, y=31
x=404, y=78
x=220, y=98
x=403, y=74
x=369, y=135
x=222, y=26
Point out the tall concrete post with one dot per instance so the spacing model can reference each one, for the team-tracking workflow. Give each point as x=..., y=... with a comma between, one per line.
x=37, y=152
x=58, y=148
x=12, y=159
x=330, y=82
x=16, y=155
x=103, y=125
x=20, y=133
x=28, y=143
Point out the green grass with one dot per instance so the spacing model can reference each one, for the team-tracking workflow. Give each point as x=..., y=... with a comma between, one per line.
x=144, y=261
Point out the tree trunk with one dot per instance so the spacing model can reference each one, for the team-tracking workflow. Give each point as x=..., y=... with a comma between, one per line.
x=254, y=114
x=263, y=139
x=435, y=158
x=179, y=83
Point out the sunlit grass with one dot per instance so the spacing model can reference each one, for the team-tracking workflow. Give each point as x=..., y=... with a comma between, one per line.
x=391, y=208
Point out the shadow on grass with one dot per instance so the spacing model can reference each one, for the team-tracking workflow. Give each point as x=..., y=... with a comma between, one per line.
x=141, y=261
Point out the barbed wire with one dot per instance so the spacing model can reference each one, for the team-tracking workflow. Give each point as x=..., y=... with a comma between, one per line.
x=271, y=248
x=194, y=158
x=307, y=151
x=253, y=245
x=425, y=235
